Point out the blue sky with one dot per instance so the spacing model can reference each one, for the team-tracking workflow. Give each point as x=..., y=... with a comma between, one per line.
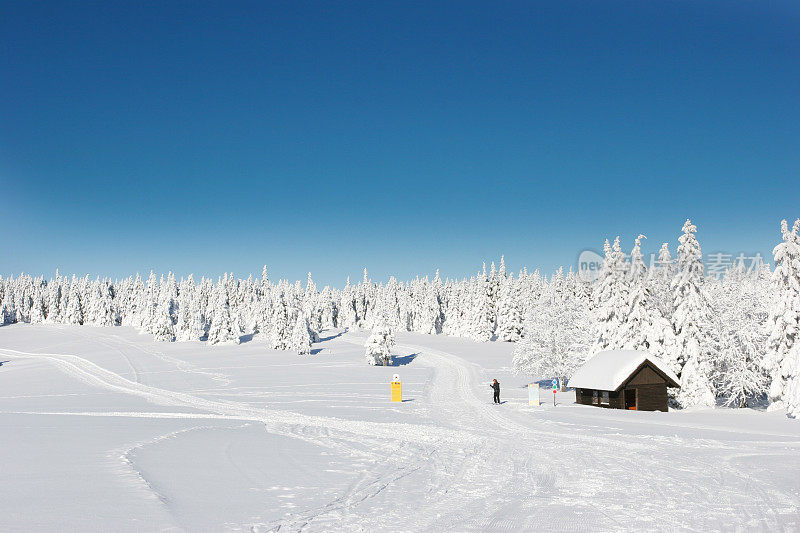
x=209, y=137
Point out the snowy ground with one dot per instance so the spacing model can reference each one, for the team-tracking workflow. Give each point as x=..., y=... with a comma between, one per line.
x=104, y=429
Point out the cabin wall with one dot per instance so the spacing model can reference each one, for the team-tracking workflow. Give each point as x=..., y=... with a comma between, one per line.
x=616, y=400
x=645, y=376
x=651, y=392
x=652, y=397
x=583, y=396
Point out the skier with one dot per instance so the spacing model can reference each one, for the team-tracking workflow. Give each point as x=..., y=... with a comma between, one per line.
x=496, y=387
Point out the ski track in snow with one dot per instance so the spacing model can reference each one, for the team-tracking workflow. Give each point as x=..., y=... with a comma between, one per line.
x=478, y=467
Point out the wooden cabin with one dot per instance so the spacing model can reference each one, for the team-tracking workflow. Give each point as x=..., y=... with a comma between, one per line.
x=624, y=379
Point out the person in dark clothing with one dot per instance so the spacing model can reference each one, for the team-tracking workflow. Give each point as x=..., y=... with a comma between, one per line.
x=496, y=387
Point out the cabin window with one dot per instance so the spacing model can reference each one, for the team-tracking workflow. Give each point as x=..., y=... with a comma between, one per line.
x=595, y=400
x=604, y=398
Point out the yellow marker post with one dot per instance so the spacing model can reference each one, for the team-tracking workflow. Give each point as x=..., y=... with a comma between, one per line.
x=396, y=387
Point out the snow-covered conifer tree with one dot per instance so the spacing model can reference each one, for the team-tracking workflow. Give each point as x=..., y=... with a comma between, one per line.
x=183, y=324
x=783, y=359
x=692, y=325
x=328, y=312
x=509, y=318
x=301, y=338
x=74, y=309
x=162, y=327
x=610, y=297
x=280, y=330
x=347, y=307
x=39, y=308
x=740, y=316
x=642, y=326
x=101, y=310
x=379, y=344
x=197, y=321
x=660, y=279
x=493, y=289
x=557, y=334
x=223, y=329
x=481, y=323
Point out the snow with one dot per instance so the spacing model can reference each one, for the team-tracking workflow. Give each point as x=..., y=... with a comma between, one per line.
x=106, y=429
x=609, y=369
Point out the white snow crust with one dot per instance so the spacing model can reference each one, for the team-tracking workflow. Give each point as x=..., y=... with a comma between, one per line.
x=104, y=429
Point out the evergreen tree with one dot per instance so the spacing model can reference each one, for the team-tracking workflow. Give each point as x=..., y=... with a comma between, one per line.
x=379, y=344
x=223, y=330
x=659, y=279
x=74, y=308
x=162, y=327
x=493, y=289
x=301, y=339
x=328, y=313
x=740, y=319
x=610, y=297
x=481, y=323
x=39, y=308
x=692, y=325
x=347, y=307
x=509, y=318
x=280, y=331
x=643, y=327
x=197, y=321
x=101, y=310
x=783, y=360
x=183, y=324
x=557, y=335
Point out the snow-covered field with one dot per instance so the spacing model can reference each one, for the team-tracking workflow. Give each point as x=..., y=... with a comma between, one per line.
x=105, y=429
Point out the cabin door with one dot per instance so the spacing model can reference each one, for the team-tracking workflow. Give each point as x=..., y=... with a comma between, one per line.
x=630, y=399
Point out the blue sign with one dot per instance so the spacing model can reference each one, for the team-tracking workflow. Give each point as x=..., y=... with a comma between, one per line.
x=555, y=383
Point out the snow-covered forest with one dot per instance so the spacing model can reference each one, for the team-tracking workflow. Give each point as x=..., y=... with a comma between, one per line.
x=731, y=340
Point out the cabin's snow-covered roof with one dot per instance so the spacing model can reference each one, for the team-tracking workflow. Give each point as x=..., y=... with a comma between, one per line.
x=609, y=369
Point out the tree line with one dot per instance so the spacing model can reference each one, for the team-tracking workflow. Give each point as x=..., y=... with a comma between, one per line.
x=732, y=340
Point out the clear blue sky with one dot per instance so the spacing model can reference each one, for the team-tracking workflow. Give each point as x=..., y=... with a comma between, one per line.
x=209, y=137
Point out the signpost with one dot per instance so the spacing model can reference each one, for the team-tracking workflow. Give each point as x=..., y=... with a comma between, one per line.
x=533, y=394
x=396, y=389
x=555, y=390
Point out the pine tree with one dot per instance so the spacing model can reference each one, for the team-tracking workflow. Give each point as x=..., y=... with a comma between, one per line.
x=101, y=310
x=493, y=289
x=379, y=344
x=660, y=280
x=509, y=318
x=643, y=327
x=328, y=313
x=162, y=327
x=347, y=307
x=692, y=325
x=149, y=303
x=223, y=329
x=54, y=299
x=610, y=297
x=740, y=318
x=481, y=323
x=74, y=309
x=783, y=360
x=197, y=321
x=183, y=324
x=7, y=310
x=136, y=310
x=557, y=335
x=39, y=308
x=280, y=331
x=301, y=339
